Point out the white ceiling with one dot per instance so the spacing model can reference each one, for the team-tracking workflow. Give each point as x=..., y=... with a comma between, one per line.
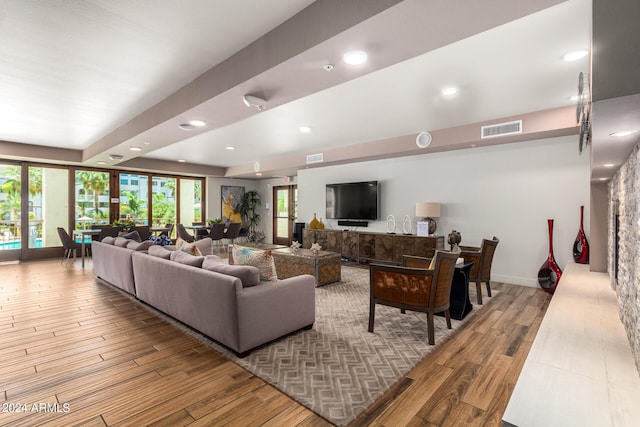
x=78, y=74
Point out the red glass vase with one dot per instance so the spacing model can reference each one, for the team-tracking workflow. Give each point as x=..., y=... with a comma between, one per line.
x=549, y=273
x=580, y=245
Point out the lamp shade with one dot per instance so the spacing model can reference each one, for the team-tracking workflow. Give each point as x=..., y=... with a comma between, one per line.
x=428, y=209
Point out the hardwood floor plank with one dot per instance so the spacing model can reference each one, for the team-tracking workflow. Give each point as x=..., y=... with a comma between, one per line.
x=66, y=337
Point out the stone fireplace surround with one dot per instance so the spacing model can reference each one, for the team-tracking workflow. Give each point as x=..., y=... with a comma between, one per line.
x=624, y=202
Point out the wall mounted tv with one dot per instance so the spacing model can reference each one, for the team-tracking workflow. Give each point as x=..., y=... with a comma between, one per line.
x=354, y=200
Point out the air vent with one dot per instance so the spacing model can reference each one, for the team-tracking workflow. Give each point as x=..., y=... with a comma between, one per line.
x=315, y=158
x=501, y=129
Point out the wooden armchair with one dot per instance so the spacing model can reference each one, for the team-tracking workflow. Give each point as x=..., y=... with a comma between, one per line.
x=482, y=258
x=416, y=289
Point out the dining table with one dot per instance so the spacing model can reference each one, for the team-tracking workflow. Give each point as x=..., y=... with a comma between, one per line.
x=82, y=234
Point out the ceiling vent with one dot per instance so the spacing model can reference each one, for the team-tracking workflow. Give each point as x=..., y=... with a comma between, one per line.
x=501, y=129
x=315, y=158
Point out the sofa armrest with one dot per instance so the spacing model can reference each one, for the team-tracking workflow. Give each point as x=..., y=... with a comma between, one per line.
x=273, y=309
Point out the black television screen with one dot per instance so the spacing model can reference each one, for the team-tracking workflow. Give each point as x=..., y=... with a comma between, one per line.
x=354, y=200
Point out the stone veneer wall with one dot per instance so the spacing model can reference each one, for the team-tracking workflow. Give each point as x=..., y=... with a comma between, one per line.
x=624, y=199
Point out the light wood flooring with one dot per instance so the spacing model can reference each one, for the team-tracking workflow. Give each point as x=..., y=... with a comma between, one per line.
x=74, y=351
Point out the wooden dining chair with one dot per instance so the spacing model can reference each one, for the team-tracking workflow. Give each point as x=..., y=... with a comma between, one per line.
x=184, y=234
x=70, y=246
x=216, y=233
x=482, y=258
x=416, y=289
x=232, y=232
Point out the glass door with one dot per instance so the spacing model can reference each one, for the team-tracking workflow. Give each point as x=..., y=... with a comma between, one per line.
x=285, y=201
x=134, y=196
x=10, y=211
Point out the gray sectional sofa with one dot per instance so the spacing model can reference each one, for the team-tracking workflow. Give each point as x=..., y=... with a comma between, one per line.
x=239, y=317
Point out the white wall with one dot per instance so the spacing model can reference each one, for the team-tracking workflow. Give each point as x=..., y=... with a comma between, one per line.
x=507, y=191
x=214, y=193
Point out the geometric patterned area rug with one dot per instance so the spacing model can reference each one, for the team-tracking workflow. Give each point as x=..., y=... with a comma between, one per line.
x=338, y=369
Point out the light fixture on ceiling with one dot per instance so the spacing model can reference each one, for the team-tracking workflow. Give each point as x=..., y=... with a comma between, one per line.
x=135, y=148
x=608, y=165
x=574, y=55
x=116, y=157
x=101, y=162
x=197, y=123
x=355, y=57
x=624, y=133
x=603, y=179
x=146, y=143
x=423, y=140
x=449, y=91
x=254, y=101
x=328, y=67
x=182, y=161
x=258, y=173
x=256, y=167
x=229, y=147
x=186, y=126
x=304, y=129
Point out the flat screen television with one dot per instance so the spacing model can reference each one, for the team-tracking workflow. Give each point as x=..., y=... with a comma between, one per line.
x=353, y=200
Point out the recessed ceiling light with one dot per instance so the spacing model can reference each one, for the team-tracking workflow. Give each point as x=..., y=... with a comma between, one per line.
x=197, y=123
x=575, y=55
x=186, y=126
x=305, y=129
x=603, y=179
x=116, y=157
x=608, y=165
x=182, y=161
x=146, y=143
x=449, y=91
x=230, y=147
x=135, y=148
x=101, y=162
x=258, y=173
x=624, y=133
x=355, y=57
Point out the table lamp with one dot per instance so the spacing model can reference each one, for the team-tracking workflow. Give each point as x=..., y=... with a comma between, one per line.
x=428, y=211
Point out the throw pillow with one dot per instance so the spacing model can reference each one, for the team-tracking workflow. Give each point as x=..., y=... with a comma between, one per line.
x=159, y=251
x=130, y=235
x=205, y=246
x=109, y=240
x=189, y=248
x=263, y=260
x=187, y=259
x=140, y=246
x=248, y=274
x=161, y=240
x=122, y=242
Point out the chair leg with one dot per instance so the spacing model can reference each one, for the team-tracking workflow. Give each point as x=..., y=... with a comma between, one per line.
x=403, y=311
x=479, y=292
x=488, y=289
x=430, y=327
x=372, y=315
x=447, y=316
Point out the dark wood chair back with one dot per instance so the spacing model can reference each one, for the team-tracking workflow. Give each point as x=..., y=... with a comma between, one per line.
x=184, y=234
x=482, y=258
x=217, y=231
x=417, y=289
x=232, y=231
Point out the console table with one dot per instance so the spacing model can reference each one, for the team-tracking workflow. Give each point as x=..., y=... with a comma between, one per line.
x=372, y=246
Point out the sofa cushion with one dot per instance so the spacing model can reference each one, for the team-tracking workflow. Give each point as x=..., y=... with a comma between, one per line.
x=140, y=246
x=187, y=259
x=109, y=240
x=248, y=274
x=133, y=235
x=263, y=260
x=122, y=242
x=159, y=251
x=186, y=247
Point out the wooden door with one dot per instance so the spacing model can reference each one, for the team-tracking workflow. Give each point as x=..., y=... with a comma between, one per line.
x=285, y=212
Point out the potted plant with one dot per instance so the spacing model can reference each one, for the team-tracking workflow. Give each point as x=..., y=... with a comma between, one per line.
x=248, y=205
x=215, y=221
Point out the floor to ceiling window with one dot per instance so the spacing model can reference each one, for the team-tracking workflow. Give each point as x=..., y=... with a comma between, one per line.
x=10, y=206
x=48, y=205
x=92, y=198
x=163, y=200
x=134, y=198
